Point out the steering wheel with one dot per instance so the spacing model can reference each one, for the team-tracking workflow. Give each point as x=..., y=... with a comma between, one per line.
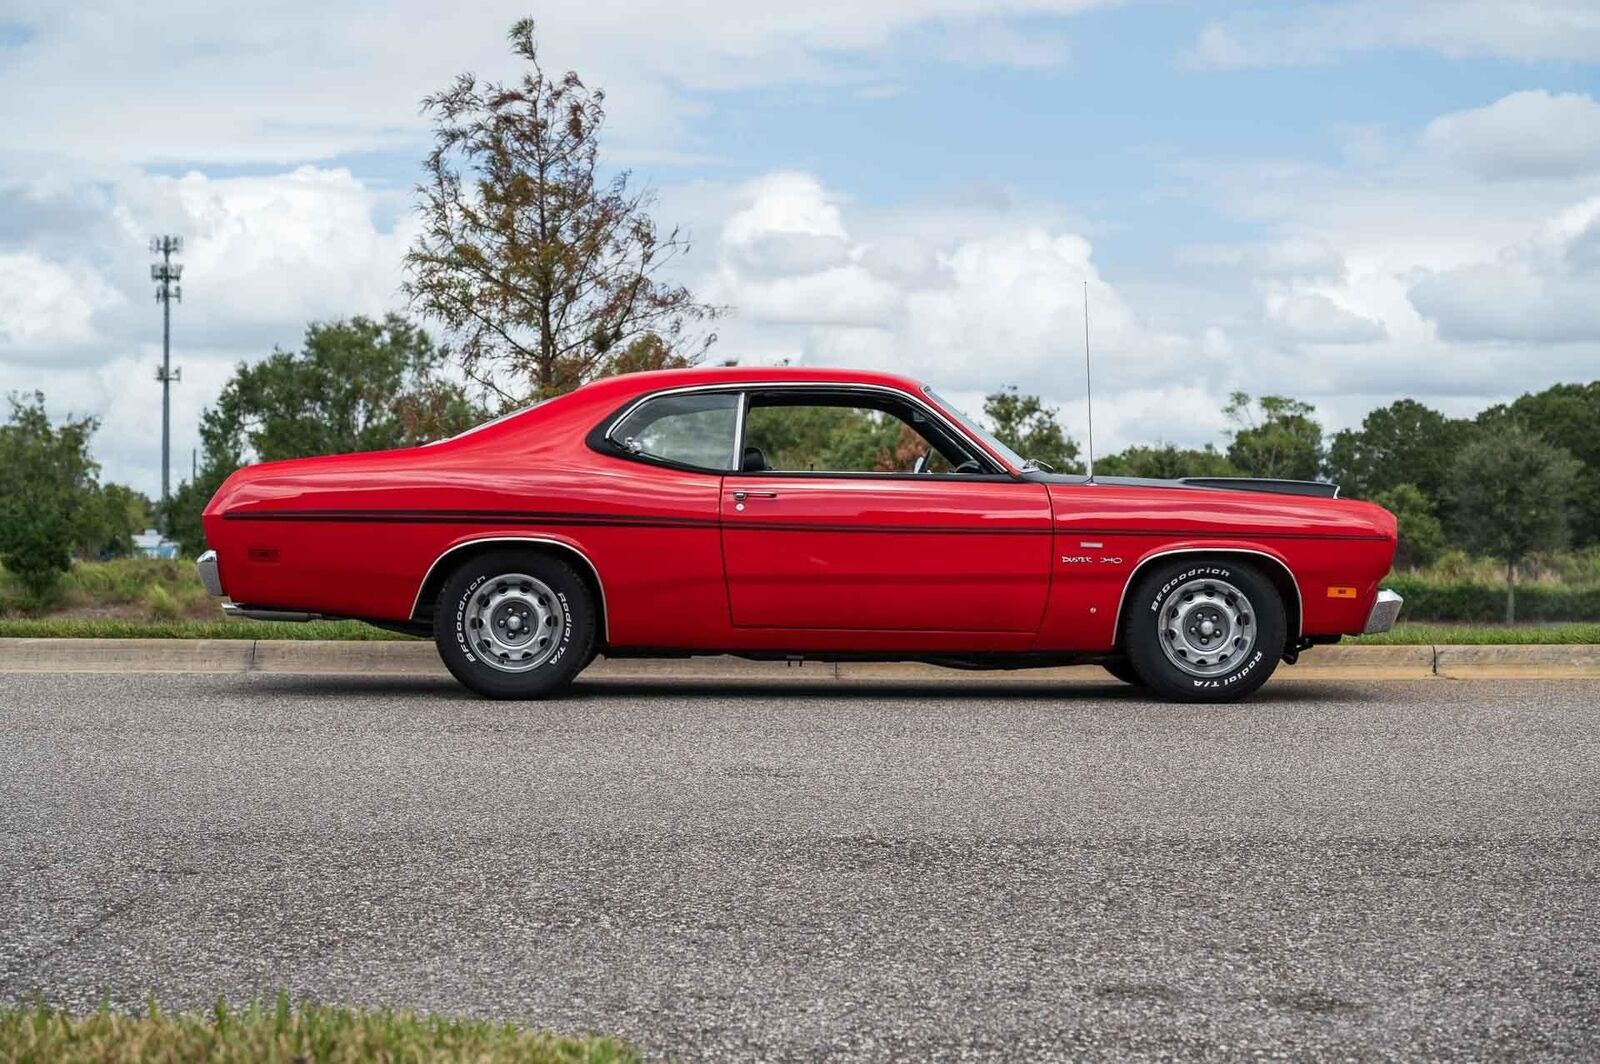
x=969, y=466
x=921, y=464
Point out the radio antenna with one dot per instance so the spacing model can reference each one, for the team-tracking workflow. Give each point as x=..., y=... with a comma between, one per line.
x=1088, y=378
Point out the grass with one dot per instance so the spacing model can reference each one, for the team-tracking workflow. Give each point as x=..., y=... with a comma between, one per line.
x=124, y=628
x=1481, y=634
x=280, y=1031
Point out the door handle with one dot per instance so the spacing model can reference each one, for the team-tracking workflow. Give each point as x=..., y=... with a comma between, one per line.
x=741, y=496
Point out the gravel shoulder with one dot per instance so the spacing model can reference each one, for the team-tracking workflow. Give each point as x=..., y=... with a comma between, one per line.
x=729, y=871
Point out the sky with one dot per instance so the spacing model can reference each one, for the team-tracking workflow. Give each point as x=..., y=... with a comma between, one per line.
x=1347, y=202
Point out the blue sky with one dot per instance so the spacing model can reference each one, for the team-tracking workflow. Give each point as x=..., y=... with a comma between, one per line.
x=1350, y=202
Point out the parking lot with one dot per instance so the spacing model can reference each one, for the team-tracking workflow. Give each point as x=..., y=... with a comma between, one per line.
x=716, y=871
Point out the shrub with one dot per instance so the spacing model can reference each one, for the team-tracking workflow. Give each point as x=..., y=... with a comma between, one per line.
x=1430, y=599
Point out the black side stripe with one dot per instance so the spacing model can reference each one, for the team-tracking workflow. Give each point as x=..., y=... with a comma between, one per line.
x=594, y=520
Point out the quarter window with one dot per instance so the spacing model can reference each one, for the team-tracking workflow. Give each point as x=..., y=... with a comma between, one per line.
x=694, y=430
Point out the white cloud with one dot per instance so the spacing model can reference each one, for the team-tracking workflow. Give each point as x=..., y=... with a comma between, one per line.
x=1319, y=33
x=49, y=306
x=1525, y=134
x=263, y=256
x=1313, y=318
x=1542, y=291
x=301, y=79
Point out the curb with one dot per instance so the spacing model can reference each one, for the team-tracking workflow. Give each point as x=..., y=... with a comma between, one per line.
x=315, y=658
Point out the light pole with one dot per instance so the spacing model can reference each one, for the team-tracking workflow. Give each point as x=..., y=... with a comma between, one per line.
x=166, y=273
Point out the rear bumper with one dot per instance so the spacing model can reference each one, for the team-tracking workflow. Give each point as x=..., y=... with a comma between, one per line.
x=1385, y=610
x=210, y=576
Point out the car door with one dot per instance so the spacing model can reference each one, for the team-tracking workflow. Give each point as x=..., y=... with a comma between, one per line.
x=812, y=540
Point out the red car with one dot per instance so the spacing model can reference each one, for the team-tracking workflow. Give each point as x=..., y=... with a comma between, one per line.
x=683, y=512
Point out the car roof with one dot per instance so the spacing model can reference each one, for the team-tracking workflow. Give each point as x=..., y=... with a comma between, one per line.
x=653, y=380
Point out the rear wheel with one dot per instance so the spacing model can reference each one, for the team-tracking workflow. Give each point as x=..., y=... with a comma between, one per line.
x=514, y=624
x=1204, y=631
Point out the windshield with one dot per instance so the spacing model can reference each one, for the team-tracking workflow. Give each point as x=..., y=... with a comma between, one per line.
x=1016, y=460
x=495, y=421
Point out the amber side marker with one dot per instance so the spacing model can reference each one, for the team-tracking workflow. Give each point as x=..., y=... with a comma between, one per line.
x=1341, y=592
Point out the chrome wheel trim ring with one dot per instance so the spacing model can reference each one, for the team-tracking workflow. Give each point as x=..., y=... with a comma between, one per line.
x=514, y=622
x=1207, y=627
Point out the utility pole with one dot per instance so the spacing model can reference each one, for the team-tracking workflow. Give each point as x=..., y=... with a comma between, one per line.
x=166, y=273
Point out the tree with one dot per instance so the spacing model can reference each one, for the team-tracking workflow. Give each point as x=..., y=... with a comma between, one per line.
x=544, y=274
x=1421, y=534
x=1026, y=425
x=1511, y=490
x=1402, y=443
x=1567, y=416
x=47, y=488
x=1275, y=437
x=1166, y=461
x=356, y=385
x=113, y=515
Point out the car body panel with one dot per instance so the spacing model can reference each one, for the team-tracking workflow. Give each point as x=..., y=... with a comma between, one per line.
x=876, y=564
x=869, y=552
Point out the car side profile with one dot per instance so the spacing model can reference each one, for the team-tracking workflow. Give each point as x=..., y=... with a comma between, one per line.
x=725, y=511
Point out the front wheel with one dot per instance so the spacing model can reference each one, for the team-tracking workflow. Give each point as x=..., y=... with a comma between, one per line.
x=1205, y=631
x=514, y=624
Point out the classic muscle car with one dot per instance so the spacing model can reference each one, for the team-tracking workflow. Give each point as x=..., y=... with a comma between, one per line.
x=675, y=513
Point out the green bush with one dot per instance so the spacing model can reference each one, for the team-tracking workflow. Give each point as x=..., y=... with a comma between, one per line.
x=1431, y=599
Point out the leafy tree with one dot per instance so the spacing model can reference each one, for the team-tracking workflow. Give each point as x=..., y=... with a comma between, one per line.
x=1511, y=490
x=834, y=438
x=1421, y=535
x=1274, y=437
x=356, y=385
x=47, y=492
x=1567, y=416
x=544, y=274
x=1402, y=443
x=113, y=515
x=1166, y=461
x=1026, y=425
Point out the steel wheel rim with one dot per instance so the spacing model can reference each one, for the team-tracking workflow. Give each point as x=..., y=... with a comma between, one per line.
x=1207, y=627
x=514, y=622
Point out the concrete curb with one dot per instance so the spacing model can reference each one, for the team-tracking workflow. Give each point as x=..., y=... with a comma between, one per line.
x=309, y=657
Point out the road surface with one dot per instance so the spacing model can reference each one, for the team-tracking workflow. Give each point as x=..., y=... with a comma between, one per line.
x=1396, y=870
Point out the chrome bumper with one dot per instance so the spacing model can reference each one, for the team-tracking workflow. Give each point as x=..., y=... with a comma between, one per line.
x=206, y=566
x=1384, y=612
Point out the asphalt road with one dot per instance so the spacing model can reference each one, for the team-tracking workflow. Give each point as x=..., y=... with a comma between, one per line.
x=1394, y=870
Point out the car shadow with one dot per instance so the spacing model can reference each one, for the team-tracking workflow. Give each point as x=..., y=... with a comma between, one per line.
x=600, y=689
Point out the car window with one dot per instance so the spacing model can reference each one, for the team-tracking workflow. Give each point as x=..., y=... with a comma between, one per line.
x=786, y=434
x=695, y=430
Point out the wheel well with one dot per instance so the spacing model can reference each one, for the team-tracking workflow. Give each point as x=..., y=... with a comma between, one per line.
x=447, y=563
x=1270, y=567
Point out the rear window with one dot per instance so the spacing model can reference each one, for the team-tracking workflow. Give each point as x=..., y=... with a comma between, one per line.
x=697, y=430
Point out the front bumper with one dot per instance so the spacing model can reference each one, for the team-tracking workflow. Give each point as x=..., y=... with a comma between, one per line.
x=206, y=566
x=1384, y=612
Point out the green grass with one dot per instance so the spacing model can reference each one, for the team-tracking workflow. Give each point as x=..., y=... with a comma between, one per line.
x=279, y=1031
x=119, y=628
x=1482, y=634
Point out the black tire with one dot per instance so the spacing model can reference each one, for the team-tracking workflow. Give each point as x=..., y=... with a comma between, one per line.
x=1243, y=608
x=561, y=611
x=1122, y=669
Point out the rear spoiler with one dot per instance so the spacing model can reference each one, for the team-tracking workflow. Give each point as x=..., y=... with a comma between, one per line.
x=1317, y=488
